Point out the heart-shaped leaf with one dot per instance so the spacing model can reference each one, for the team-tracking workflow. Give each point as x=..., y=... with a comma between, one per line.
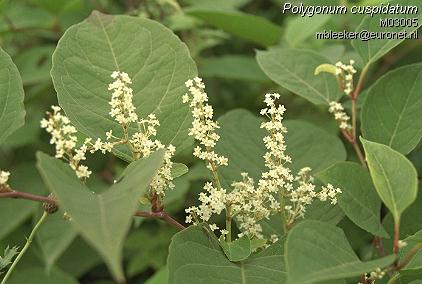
x=155, y=59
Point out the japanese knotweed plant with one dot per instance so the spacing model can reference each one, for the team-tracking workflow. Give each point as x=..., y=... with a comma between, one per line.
x=276, y=190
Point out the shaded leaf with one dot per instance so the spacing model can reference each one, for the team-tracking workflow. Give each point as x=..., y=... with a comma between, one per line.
x=293, y=69
x=393, y=106
x=374, y=49
x=102, y=219
x=317, y=251
x=247, y=26
x=12, y=112
x=359, y=199
x=195, y=256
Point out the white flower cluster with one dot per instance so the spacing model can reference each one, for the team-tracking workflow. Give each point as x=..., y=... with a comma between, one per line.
x=340, y=115
x=250, y=203
x=203, y=127
x=377, y=274
x=4, y=177
x=122, y=108
x=345, y=75
x=141, y=142
x=63, y=137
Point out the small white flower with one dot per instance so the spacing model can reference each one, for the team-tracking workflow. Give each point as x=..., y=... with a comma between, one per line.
x=4, y=177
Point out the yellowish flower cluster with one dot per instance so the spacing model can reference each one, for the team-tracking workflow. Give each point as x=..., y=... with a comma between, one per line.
x=203, y=127
x=63, y=135
x=4, y=177
x=340, y=115
x=345, y=74
x=250, y=203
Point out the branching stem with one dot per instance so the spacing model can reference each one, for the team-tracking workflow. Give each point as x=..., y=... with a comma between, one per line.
x=25, y=248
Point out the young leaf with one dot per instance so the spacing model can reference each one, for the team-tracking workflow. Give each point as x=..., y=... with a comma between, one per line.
x=12, y=112
x=102, y=219
x=7, y=258
x=394, y=177
x=317, y=251
x=393, y=106
x=178, y=170
x=237, y=250
x=155, y=59
x=293, y=69
x=247, y=26
x=358, y=200
x=373, y=49
x=195, y=256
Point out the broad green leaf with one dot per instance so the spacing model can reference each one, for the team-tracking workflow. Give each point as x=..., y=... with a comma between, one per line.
x=40, y=276
x=236, y=67
x=237, y=250
x=247, y=26
x=392, y=109
x=54, y=237
x=12, y=112
x=102, y=219
x=300, y=28
x=241, y=141
x=156, y=60
x=293, y=69
x=317, y=251
x=24, y=178
x=394, y=177
x=359, y=199
x=374, y=49
x=195, y=256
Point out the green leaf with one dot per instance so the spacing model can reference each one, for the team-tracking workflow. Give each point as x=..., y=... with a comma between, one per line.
x=359, y=199
x=40, y=276
x=159, y=277
x=237, y=250
x=156, y=60
x=7, y=258
x=35, y=63
x=237, y=67
x=246, y=26
x=293, y=69
x=12, y=112
x=394, y=177
x=54, y=237
x=300, y=28
x=317, y=251
x=413, y=270
x=393, y=106
x=241, y=141
x=102, y=219
x=374, y=49
x=195, y=256
x=178, y=170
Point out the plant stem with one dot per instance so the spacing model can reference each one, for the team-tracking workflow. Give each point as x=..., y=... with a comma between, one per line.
x=359, y=154
x=228, y=224
x=25, y=248
x=409, y=256
x=33, y=197
x=396, y=237
x=161, y=215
